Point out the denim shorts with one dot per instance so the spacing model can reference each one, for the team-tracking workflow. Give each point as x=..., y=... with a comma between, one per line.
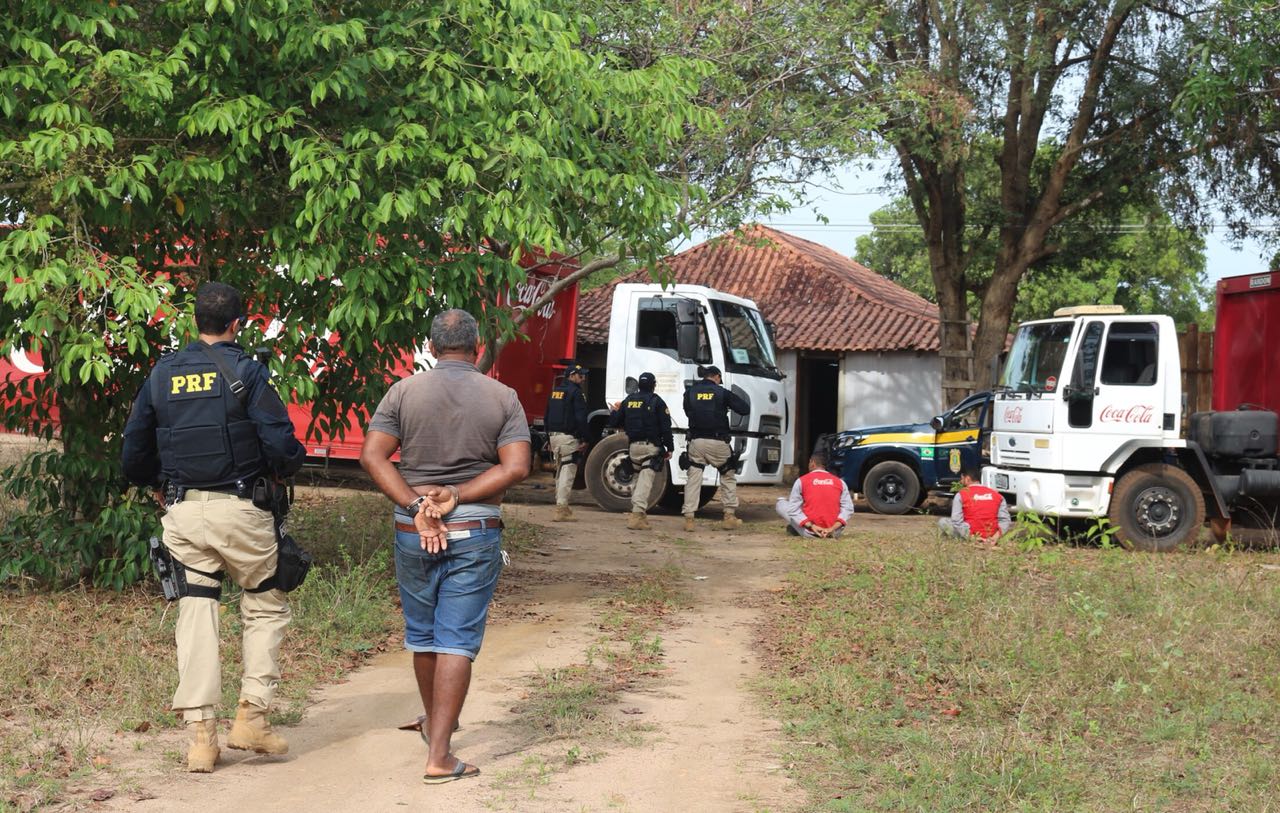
x=445, y=595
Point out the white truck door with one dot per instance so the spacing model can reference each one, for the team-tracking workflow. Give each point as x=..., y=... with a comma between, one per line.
x=1129, y=394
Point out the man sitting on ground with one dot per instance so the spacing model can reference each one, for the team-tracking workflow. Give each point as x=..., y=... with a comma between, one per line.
x=976, y=511
x=820, y=504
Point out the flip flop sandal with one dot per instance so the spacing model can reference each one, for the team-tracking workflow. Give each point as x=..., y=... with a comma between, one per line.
x=460, y=771
x=419, y=725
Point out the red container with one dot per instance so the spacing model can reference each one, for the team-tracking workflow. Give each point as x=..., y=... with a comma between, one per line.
x=1246, y=342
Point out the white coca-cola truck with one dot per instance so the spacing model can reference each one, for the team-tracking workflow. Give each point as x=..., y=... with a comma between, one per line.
x=1087, y=420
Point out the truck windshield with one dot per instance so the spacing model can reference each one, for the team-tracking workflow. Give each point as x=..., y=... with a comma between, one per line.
x=1036, y=356
x=748, y=348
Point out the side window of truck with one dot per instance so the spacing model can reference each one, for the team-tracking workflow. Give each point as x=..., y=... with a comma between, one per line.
x=656, y=323
x=1131, y=357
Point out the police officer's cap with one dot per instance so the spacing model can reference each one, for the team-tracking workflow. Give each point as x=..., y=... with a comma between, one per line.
x=647, y=381
x=574, y=369
x=708, y=371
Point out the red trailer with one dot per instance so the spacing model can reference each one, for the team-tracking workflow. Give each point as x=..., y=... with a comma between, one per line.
x=1246, y=343
x=530, y=366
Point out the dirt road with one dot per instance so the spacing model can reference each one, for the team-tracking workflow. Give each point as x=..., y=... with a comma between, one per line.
x=703, y=744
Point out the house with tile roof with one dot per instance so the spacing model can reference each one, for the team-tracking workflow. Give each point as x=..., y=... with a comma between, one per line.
x=857, y=349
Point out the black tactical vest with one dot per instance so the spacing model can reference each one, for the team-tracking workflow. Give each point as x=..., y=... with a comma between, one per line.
x=708, y=411
x=203, y=432
x=560, y=405
x=640, y=417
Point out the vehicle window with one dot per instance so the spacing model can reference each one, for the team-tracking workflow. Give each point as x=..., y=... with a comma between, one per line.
x=1036, y=356
x=656, y=325
x=967, y=418
x=1131, y=357
x=747, y=342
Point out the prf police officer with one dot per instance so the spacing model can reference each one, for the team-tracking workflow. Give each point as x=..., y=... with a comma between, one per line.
x=706, y=404
x=205, y=425
x=566, y=421
x=644, y=416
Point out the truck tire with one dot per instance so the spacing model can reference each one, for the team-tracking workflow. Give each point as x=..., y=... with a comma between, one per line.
x=607, y=485
x=891, y=487
x=1156, y=507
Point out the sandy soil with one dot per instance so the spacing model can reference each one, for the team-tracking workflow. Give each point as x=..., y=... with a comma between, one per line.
x=705, y=743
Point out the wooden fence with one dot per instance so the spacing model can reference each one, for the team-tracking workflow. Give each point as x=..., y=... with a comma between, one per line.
x=1196, y=348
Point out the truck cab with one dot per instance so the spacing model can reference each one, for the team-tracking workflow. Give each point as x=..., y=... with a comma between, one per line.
x=895, y=467
x=1085, y=399
x=670, y=332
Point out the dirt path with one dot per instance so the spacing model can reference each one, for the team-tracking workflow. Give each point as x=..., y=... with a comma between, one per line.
x=704, y=744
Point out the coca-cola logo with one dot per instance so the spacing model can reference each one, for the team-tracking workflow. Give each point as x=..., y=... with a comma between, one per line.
x=1013, y=415
x=530, y=291
x=1121, y=414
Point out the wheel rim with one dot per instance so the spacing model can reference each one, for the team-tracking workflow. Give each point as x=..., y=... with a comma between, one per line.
x=615, y=479
x=890, y=489
x=1158, y=511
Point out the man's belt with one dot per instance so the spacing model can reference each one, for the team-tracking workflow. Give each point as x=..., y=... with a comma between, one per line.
x=463, y=525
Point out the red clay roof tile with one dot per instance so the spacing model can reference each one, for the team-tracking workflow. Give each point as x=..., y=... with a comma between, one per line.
x=816, y=298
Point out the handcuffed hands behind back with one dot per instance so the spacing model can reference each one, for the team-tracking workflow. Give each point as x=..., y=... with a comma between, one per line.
x=429, y=520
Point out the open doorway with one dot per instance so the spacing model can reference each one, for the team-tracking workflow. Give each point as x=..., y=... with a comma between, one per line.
x=818, y=402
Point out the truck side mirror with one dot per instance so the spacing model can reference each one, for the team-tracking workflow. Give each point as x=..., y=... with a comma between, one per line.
x=688, y=320
x=937, y=423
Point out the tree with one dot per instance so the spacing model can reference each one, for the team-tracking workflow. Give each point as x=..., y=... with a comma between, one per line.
x=1148, y=266
x=353, y=166
x=779, y=126
x=1070, y=104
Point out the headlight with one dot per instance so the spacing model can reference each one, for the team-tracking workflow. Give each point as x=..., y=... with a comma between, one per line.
x=845, y=441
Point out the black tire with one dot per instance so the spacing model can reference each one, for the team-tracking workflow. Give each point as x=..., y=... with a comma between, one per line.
x=673, y=498
x=891, y=488
x=1156, y=508
x=606, y=484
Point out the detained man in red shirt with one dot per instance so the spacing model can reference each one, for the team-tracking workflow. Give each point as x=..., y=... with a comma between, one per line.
x=820, y=504
x=976, y=511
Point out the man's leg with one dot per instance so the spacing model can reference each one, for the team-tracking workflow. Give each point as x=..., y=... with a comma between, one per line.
x=644, y=484
x=450, y=681
x=563, y=447
x=196, y=637
x=424, y=669
x=948, y=528
x=693, y=484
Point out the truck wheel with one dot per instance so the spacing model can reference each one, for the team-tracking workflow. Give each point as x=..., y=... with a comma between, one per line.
x=610, y=487
x=891, y=488
x=1156, y=507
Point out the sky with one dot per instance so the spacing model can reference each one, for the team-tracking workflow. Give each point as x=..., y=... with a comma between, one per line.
x=848, y=200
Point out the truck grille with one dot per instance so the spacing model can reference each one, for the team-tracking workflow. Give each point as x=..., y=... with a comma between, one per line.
x=1015, y=457
x=770, y=425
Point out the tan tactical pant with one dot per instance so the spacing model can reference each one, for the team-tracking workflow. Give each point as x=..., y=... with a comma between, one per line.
x=563, y=448
x=211, y=532
x=642, y=451
x=713, y=453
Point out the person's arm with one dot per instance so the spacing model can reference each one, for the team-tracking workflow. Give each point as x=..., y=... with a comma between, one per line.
x=139, y=457
x=283, y=453
x=580, y=415
x=846, y=505
x=957, y=516
x=1003, y=519
x=616, y=416
x=664, y=427
x=736, y=402
x=795, y=505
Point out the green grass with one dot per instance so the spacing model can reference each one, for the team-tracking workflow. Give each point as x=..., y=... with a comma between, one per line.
x=77, y=666
x=919, y=675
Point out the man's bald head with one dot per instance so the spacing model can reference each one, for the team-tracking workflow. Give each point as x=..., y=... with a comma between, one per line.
x=454, y=331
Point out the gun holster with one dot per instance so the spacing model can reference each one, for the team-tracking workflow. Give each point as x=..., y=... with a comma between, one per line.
x=173, y=575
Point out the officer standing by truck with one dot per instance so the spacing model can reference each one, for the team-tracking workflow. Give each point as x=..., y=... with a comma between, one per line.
x=706, y=404
x=209, y=428
x=644, y=416
x=566, y=422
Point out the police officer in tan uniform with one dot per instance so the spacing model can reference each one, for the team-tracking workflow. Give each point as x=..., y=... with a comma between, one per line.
x=706, y=404
x=644, y=416
x=566, y=422
x=207, y=426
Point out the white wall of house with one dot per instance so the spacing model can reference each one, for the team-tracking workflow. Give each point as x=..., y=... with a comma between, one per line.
x=889, y=388
x=788, y=362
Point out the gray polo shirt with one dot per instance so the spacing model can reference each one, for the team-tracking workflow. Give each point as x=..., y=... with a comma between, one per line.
x=451, y=421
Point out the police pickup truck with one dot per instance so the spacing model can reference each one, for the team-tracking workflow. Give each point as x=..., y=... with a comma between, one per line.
x=895, y=467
